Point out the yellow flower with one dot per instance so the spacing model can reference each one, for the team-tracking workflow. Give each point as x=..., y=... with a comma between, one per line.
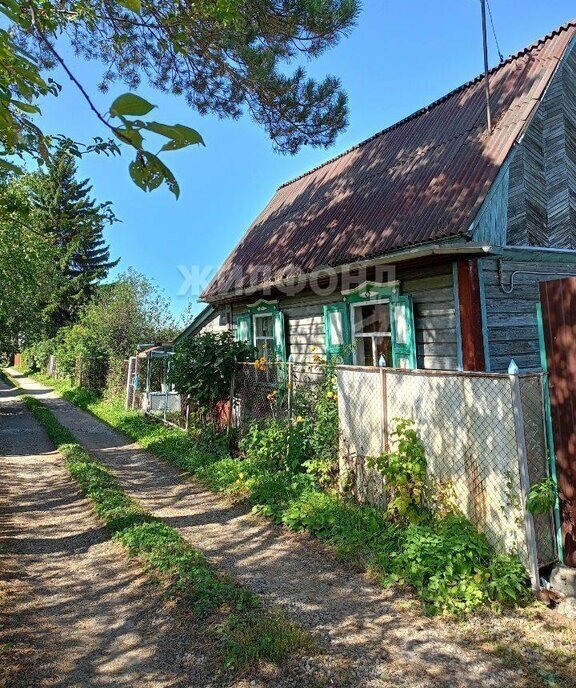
x=333, y=380
x=329, y=395
x=241, y=476
x=299, y=419
x=313, y=348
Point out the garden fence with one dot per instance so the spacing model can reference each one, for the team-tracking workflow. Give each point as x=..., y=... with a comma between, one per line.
x=484, y=436
x=262, y=392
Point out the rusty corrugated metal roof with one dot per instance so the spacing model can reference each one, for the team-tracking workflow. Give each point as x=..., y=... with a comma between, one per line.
x=422, y=179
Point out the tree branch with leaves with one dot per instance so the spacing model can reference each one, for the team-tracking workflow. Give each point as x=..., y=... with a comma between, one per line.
x=224, y=57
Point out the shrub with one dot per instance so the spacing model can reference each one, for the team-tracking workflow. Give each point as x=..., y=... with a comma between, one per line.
x=405, y=473
x=203, y=367
x=541, y=496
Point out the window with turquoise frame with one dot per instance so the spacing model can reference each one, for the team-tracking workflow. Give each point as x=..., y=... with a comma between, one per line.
x=263, y=326
x=373, y=326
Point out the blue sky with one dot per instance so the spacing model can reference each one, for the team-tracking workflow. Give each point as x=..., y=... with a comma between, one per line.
x=400, y=56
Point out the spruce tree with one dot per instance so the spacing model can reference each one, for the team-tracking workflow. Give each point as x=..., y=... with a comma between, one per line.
x=65, y=211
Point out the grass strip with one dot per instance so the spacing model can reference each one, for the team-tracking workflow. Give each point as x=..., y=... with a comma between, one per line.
x=249, y=632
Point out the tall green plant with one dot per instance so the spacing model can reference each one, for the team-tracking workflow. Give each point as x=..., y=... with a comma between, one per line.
x=64, y=211
x=405, y=471
x=203, y=366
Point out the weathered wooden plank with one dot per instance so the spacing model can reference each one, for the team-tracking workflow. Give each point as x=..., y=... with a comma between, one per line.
x=432, y=336
x=437, y=363
x=524, y=362
x=506, y=333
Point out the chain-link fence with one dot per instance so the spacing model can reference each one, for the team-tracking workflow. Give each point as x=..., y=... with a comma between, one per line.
x=484, y=436
x=272, y=390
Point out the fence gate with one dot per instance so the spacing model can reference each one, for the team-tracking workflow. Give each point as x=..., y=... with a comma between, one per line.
x=558, y=302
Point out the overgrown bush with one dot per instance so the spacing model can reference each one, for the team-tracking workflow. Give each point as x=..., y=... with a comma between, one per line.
x=203, y=367
x=405, y=473
x=307, y=441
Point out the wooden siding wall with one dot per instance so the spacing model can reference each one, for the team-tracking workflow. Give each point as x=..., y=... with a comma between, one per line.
x=542, y=177
x=217, y=323
x=432, y=291
x=511, y=318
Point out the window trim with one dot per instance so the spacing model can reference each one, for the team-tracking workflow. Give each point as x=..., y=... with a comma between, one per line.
x=271, y=339
x=371, y=335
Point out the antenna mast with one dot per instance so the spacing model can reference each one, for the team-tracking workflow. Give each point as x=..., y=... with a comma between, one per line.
x=486, y=70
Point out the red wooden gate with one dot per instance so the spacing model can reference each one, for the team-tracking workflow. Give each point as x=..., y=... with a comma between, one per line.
x=558, y=299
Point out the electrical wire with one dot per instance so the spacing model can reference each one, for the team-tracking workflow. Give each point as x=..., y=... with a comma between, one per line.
x=494, y=32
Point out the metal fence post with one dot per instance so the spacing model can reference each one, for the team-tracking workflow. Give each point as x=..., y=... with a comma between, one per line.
x=384, y=409
x=231, y=403
x=289, y=376
x=524, y=480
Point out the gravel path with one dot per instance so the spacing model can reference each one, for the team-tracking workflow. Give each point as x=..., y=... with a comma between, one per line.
x=382, y=640
x=74, y=612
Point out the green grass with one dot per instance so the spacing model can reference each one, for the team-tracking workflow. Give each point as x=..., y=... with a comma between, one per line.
x=250, y=632
x=451, y=566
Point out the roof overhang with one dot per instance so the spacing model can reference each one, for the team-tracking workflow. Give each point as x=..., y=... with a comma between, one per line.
x=204, y=315
x=447, y=250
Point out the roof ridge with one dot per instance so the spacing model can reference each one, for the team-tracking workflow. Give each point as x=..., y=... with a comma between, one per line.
x=438, y=101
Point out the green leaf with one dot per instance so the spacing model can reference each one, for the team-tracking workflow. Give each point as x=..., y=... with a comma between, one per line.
x=132, y=5
x=130, y=104
x=180, y=135
x=26, y=107
x=149, y=172
x=133, y=136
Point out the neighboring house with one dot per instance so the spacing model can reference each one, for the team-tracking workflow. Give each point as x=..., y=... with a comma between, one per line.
x=424, y=245
x=209, y=319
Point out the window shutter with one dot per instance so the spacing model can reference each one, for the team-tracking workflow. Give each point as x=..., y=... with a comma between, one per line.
x=403, y=333
x=279, y=337
x=244, y=328
x=337, y=328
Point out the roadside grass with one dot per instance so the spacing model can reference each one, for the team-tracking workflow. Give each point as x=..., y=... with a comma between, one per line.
x=249, y=632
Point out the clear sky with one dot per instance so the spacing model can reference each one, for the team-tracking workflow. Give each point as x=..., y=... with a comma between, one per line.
x=400, y=56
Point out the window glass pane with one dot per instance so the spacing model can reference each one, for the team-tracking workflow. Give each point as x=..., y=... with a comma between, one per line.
x=384, y=348
x=364, y=356
x=263, y=326
x=372, y=318
x=242, y=330
x=336, y=328
x=401, y=324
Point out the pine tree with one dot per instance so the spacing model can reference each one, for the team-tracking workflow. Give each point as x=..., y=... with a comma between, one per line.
x=65, y=211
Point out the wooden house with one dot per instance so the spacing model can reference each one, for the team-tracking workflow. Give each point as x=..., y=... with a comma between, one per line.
x=424, y=245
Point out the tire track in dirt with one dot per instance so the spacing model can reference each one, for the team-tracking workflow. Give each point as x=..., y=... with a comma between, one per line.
x=74, y=612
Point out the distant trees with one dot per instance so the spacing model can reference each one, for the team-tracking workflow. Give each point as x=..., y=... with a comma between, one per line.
x=28, y=269
x=127, y=312
x=52, y=250
x=63, y=211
